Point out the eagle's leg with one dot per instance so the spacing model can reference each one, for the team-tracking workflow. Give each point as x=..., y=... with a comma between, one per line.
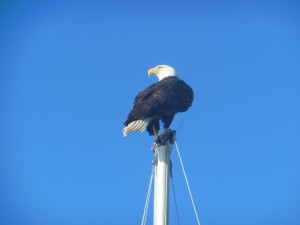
x=155, y=132
x=167, y=120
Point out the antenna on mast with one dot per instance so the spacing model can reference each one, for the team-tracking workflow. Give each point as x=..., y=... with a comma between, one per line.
x=162, y=151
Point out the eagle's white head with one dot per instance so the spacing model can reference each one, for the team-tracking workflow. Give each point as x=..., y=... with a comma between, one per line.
x=162, y=71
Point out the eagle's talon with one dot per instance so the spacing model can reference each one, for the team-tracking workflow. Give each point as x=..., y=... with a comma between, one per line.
x=163, y=134
x=158, y=140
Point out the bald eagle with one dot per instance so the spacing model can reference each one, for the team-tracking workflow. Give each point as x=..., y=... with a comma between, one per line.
x=160, y=101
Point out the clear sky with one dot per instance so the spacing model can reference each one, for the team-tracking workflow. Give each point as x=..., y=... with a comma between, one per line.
x=69, y=71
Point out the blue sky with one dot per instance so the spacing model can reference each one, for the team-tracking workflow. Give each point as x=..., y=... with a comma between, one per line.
x=69, y=72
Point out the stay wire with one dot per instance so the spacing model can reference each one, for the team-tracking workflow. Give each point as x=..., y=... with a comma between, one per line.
x=144, y=219
x=188, y=186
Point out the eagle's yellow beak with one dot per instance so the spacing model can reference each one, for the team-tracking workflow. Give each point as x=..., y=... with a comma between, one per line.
x=153, y=71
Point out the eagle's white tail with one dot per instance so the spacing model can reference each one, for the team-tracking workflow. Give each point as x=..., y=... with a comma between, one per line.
x=138, y=126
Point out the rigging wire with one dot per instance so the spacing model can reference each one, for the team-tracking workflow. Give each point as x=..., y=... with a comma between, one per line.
x=147, y=199
x=188, y=186
x=178, y=129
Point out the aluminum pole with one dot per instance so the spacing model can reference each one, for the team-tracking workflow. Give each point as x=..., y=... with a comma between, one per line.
x=161, y=180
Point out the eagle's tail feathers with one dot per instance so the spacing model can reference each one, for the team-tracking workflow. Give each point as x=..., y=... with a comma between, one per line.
x=138, y=126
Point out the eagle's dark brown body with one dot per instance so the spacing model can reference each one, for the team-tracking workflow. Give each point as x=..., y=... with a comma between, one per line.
x=161, y=101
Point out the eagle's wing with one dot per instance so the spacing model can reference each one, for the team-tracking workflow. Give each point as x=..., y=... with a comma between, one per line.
x=166, y=97
x=145, y=103
x=146, y=93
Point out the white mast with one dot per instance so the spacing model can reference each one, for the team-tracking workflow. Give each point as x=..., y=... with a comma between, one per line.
x=161, y=179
